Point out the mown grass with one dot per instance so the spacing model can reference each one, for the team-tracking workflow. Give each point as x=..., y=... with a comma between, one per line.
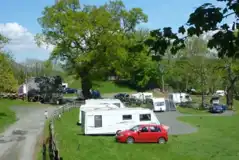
x=216, y=139
x=43, y=139
x=191, y=111
x=7, y=116
x=102, y=86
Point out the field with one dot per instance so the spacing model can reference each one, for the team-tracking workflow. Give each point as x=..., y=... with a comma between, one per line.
x=212, y=141
x=102, y=86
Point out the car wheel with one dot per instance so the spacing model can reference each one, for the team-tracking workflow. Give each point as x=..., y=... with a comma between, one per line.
x=130, y=140
x=117, y=132
x=161, y=141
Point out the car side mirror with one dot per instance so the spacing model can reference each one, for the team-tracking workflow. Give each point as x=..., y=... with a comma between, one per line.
x=138, y=131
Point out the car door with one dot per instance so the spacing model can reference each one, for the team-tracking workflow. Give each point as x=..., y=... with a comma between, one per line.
x=144, y=134
x=155, y=133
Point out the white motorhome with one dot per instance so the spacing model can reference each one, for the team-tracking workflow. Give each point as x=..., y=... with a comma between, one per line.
x=116, y=102
x=157, y=104
x=101, y=122
x=92, y=107
x=179, y=97
x=142, y=96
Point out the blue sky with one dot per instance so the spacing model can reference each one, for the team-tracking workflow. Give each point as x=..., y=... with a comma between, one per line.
x=21, y=16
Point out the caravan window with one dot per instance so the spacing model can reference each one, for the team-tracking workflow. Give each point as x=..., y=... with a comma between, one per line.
x=145, y=117
x=127, y=117
x=98, y=121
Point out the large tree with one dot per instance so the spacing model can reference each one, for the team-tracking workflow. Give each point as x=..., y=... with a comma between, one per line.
x=91, y=40
x=209, y=18
x=8, y=83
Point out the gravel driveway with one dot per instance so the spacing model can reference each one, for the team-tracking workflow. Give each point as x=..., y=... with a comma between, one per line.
x=18, y=142
x=177, y=127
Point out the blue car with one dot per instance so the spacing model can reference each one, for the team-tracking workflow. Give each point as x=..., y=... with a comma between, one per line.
x=217, y=108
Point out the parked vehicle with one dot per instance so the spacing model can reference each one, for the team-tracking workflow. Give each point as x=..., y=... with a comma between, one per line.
x=157, y=104
x=143, y=133
x=94, y=94
x=220, y=93
x=116, y=102
x=121, y=96
x=178, y=98
x=216, y=108
x=142, y=96
x=215, y=99
x=160, y=104
x=43, y=89
x=92, y=107
x=65, y=85
x=70, y=90
x=103, y=122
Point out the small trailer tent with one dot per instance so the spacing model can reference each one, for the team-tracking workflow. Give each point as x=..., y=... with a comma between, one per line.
x=103, y=122
x=179, y=97
x=91, y=107
x=161, y=104
x=116, y=102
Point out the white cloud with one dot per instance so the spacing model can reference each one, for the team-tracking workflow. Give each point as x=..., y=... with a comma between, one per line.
x=22, y=43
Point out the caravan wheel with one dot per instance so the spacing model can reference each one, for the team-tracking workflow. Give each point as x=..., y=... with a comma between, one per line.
x=130, y=140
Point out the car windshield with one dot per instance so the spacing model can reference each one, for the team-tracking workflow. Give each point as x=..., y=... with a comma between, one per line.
x=135, y=128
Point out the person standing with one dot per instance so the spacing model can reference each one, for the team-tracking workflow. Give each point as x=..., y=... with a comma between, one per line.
x=46, y=114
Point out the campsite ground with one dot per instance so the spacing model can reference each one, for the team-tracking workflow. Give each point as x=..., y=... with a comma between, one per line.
x=211, y=141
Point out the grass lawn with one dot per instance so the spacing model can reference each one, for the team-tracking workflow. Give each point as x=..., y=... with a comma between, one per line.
x=191, y=111
x=102, y=86
x=213, y=141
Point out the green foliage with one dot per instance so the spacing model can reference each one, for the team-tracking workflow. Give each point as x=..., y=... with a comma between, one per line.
x=8, y=83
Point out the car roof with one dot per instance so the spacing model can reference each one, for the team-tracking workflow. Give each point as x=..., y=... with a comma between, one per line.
x=149, y=124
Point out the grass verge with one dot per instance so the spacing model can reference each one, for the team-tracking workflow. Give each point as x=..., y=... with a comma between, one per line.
x=42, y=138
x=213, y=141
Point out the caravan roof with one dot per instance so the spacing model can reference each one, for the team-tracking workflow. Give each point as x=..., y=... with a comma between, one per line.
x=118, y=110
x=106, y=101
x=158, y=99
x=98, y=106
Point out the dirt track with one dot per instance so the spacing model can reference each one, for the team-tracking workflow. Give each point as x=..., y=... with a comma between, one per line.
x=19, y=140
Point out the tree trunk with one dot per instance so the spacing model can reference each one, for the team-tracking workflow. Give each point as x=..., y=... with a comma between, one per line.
x=229, y=96
x=86, y=85
x=162, y=83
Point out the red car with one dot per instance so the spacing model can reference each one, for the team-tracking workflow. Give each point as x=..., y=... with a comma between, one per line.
x=143, y=133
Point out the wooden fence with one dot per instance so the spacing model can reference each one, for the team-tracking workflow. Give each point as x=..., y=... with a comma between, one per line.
x=52, y=151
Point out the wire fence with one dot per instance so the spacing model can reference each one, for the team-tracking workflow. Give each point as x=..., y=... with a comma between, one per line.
x=50, y=149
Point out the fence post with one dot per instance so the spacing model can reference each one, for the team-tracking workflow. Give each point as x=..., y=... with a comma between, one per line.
x=44, y=151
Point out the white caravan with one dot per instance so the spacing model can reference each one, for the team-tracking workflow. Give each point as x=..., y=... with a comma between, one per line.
x=220, y=92
x=179, y=97
x=157, y=104
x=142, y=96
x=103, y=122
x=91, y=107
x=116, y=102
